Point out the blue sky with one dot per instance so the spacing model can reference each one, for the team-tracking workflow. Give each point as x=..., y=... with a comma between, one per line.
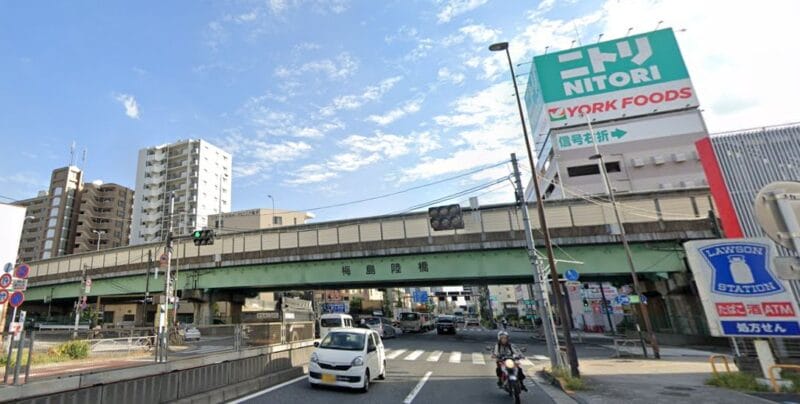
x=324, y=102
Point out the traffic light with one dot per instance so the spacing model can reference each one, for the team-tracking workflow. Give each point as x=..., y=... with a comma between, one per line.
x=203, y=237
x=446, y=217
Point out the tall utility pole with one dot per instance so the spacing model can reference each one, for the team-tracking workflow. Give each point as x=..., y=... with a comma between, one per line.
x=544, y=304
x=81, y=295
x=162, y=317
x=623, y=236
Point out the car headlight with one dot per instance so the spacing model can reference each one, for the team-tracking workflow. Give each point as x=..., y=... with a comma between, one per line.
x=314, y=358
x=358, y=361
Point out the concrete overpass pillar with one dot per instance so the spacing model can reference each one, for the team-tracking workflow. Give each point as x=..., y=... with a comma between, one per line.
x=204, y=309
x=236, y=312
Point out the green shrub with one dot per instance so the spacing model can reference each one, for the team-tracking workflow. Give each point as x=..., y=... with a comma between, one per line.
x=71, y=350
x=570, y=382
x=736, y=381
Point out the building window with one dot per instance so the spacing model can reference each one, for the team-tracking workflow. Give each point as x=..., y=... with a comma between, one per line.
x=277, y=220
x=592, y=169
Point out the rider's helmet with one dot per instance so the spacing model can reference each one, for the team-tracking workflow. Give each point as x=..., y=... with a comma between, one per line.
x=501, y=334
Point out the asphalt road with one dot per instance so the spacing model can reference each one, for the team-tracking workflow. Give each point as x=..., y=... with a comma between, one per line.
x=461, y=372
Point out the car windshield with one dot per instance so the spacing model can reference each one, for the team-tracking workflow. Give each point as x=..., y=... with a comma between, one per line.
x=346, y=341
x=330, y=322
x=373, y=321
x=445, y=320
x=409, y=317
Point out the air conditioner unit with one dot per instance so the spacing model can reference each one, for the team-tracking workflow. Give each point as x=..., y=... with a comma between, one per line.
x=688, y=184
x=665, y=185
x=679, y=157
x=637, y=162
x=658, y=160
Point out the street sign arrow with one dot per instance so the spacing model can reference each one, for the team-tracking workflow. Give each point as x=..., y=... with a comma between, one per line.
x=618, y=133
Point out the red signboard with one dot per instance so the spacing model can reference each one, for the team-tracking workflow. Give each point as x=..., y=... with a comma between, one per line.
x=731, y=309
x=769, y=309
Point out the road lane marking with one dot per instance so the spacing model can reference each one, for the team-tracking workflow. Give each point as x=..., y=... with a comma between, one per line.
x=265, y=391
x=455, y=357
x=540, y=357
x=435, y=355
x=526, y=362
x=414, y=355
x=395, y=354
x=477, y=358
x=417, y=388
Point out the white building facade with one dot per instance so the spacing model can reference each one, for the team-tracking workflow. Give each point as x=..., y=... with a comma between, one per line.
x=197, y=172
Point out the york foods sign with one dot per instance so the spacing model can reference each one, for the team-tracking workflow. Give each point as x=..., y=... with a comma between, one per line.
x=626, y=77
x=740, y=293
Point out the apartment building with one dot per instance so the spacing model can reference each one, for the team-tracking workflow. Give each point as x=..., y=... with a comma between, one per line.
x=254, y=219
x=30, y=243
x=61, y=220
x=196, y=172
x=104, y=217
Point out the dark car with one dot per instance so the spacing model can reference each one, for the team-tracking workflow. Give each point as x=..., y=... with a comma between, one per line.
x=445, y=325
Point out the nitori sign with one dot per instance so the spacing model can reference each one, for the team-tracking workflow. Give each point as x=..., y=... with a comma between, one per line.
x=740, y=293
x=625, y=77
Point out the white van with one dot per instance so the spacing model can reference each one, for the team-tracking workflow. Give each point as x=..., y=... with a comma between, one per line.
x=334, y=320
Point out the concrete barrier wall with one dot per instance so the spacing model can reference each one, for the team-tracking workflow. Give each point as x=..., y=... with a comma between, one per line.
x=212, y=378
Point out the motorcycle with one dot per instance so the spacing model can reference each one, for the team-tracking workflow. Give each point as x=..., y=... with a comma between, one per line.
x=509, y=376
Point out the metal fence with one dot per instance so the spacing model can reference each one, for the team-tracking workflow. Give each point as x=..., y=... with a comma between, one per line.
x=60, y=353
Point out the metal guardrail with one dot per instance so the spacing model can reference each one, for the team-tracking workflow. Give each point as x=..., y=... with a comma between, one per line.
x=773, y=381
x=712, y=361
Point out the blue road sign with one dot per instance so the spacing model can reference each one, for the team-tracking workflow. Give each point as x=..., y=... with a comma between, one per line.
x=22, y=271
x=623, y=299
x=333, y=308
x=16, y=299
x=572, y=275
x=420, y=296
x=3, y=296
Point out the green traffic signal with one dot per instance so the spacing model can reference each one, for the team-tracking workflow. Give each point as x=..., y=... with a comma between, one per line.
x=197, y=234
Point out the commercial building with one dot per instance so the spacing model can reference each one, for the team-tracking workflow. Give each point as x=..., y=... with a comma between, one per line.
x=254, y=219
x=199, y=175
x=738, y=164
x=63, y=219
x=637, y=95
x=104, y=218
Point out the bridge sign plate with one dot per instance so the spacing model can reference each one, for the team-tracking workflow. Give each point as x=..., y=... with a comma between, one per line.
x=740, y=293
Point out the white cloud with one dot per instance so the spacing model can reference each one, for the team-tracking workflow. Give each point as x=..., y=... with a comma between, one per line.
x=130, y=104
x=267, y=121
x=479, y=33
x=360, y=151
x=446, y=75
x=453, y=8
x=409, y=107
x=487, y=131
x=343, y=66
x=257, y=156
x=355, y=101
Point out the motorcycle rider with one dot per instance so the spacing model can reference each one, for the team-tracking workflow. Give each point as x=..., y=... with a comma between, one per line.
x=504, y=348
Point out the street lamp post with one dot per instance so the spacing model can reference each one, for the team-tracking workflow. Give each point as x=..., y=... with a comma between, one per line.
x=624, y=238
x=99, y=236
x=571, y=354
x=272, y=219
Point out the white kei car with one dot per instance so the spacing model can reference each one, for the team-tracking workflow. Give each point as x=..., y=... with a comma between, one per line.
x=348, y=357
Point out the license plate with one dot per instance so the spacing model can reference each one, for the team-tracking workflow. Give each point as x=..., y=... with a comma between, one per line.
x=326, y=378
x=512, y=378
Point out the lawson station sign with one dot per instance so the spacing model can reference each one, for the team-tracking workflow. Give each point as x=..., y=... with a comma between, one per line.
x=740, y=292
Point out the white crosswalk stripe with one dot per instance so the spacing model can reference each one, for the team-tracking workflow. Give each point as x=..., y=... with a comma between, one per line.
x=477, y=358
x=434, y=356
x=414, y=355
x=526, y=362
x=394, y=354
x=540, y=358
x=455, y=357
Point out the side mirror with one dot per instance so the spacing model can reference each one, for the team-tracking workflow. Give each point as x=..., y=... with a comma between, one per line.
x=372, y=349
x=316, y=344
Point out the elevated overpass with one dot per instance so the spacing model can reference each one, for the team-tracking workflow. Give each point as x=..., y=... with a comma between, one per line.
x=397, y=250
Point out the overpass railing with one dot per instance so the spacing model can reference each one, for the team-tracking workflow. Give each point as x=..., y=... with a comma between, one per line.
x=490, y=222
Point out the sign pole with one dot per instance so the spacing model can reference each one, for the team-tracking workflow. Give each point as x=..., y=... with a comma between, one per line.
x=606, y=308
x=624, y=238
